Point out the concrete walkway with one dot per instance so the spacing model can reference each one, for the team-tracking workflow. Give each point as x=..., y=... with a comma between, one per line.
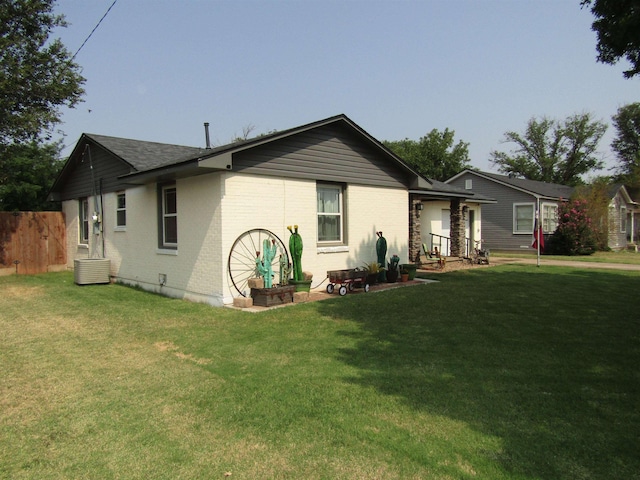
x=564, y=263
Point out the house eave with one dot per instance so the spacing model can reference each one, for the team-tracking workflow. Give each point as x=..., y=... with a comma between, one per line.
x=172, y=173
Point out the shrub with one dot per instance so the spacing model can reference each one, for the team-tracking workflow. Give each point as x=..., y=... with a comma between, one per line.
x=575, y=234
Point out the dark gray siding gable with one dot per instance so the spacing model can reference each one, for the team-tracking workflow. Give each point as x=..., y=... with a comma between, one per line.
x=328, y=153
x=106, y=169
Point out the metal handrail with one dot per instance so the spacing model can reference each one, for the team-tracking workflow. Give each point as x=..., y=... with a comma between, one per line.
x=447, y=243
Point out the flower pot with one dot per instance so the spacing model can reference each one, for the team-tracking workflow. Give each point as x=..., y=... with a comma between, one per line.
x=392, y=276
x=404, y=277
x=411, y=268
x=372, y=278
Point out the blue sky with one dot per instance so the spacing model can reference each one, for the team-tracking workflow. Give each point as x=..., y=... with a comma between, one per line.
x=158, y=69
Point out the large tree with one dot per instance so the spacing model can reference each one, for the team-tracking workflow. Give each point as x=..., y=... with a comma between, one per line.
x=626, y=144
x=618, y=27
x=552, y=151
x=434, y=155
x=28, y=173
x=37, y=74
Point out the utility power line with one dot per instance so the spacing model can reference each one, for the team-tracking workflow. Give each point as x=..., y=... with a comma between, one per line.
x=94, y=29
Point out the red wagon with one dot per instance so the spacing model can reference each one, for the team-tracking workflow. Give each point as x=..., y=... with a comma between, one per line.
x=347, y=279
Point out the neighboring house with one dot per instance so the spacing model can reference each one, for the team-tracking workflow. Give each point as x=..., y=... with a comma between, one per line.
x=622, y=218
x=169, y=217
x=508, y=224
x=634, y=194
x=450, y=218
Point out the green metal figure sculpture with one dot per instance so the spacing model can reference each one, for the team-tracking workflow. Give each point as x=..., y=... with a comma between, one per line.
x=285, y=270
x=381, y=251
x=263, y=266
x=295, y=247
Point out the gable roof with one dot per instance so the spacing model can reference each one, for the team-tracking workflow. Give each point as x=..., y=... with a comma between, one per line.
x=443, y=191
x=143, y=162
x=221, y=158
x=534, y=187
x=142, y=155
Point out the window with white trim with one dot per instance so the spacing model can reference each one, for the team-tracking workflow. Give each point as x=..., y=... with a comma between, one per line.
x=523, y=217
x=549, y=217
x=168, y=217
x=83, y=220
x=121, y=210
x=330, y=213
x=623, y=219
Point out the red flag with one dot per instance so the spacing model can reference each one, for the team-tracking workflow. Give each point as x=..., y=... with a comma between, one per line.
x=538, y=236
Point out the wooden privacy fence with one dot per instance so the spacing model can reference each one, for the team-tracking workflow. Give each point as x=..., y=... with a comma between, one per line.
x=32, y=242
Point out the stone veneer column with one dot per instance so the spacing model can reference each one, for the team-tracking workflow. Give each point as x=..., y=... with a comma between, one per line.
x=457, y=229
x=415, y=234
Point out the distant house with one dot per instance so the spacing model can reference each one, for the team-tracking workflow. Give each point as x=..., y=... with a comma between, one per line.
x=450, y=218
x=634, y=194
x=622, y=218
x=508, y=224
x=190, y=222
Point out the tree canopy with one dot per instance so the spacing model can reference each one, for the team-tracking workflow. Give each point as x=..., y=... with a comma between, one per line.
x=434, y=155
x=553, y=151
x=626, y=144
x=37, y=75
x=28, y=173
x=618, y=27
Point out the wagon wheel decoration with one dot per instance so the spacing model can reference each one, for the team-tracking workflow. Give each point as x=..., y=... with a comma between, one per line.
x=242, y=257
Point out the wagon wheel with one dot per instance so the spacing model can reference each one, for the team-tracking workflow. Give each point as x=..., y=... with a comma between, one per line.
x=242, y=257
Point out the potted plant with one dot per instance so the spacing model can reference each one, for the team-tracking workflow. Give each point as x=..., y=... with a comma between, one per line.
x=411, y=268
x=404, y=275
x=373, y=271
x=392, y=269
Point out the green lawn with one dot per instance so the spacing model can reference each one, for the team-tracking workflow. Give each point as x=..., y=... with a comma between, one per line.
x=624, y=256
x=510, y=372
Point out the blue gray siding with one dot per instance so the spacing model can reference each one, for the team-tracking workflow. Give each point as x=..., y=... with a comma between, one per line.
x=329, y=153
x=497, y=219
x=106, y=169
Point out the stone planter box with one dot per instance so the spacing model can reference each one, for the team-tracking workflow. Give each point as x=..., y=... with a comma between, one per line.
x=268, y=297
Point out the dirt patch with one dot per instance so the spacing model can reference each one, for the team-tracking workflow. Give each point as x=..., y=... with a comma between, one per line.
x=19, y=291
x=173, y=348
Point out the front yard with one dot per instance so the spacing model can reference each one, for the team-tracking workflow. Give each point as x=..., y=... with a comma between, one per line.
x=508, y=372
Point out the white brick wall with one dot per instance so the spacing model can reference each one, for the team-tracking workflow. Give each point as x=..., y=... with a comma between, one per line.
x=215, y=209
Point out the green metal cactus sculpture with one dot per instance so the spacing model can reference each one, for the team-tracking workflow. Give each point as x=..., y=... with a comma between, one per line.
x=263, y=266
x=295, y=247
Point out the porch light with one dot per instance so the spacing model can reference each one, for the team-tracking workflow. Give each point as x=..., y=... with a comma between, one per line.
x=419, y=206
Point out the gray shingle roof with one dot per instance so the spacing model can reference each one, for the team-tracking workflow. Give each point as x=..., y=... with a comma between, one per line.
x=551, y=190
x=142, y=155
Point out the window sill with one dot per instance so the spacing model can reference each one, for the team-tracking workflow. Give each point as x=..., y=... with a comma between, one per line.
x=120, y=229
x=333, y=249
x=83, y=246
x=166, y=251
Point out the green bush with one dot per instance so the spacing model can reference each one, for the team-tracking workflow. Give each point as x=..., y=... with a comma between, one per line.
x=575, y=234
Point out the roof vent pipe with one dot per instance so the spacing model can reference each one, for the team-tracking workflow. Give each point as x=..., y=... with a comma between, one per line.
x=206, y=135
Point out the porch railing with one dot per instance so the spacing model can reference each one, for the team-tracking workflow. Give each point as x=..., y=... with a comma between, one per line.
x=441, y=241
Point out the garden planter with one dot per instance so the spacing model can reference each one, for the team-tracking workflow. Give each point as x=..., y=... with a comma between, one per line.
x=404, y=277
x=392, y=276
x=267, y=297
x=411, y=268
x=301, y=285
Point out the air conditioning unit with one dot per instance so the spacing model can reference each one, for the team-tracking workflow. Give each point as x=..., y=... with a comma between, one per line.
x=89, y=271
